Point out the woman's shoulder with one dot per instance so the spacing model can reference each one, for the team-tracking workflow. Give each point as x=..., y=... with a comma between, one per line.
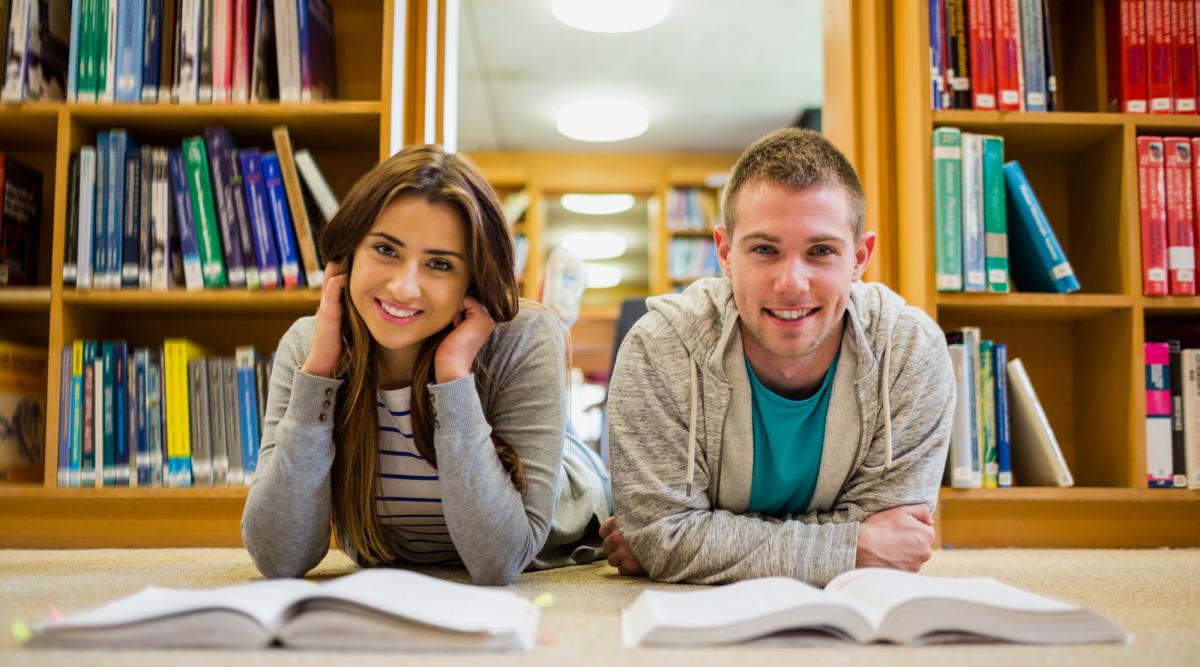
x=533, y=326
x=298, y=338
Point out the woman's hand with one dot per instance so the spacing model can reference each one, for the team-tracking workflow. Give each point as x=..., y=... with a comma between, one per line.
x=457, y=351
x=326, y=347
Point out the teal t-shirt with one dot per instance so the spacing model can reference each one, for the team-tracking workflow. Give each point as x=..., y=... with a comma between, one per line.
x=789, y=437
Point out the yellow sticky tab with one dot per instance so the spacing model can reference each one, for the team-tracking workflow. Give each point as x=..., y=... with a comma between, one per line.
x=20, y=630
x=543, y=600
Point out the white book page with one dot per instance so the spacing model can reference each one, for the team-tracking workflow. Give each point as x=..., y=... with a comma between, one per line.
x=264, y=601
x=734, y=603
x=434, y=602
x=885, y=590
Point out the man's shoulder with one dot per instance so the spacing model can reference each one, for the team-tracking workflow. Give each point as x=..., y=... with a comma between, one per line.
x=885, y=315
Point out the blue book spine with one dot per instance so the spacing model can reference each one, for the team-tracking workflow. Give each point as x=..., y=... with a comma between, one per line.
x=76, y=411
x=246, y=359
x=216, y=142
x=303, y=35
x=154, y=418
x=260, y=217
x=76, y=42
x=1036, y=262
x=64, y=418
x=188, y=248
x=118, y=150
x=289, y=256
x=1003, y=437
x=100, y=221
x=131, y=225
x=1033, y=51
x=141, y=358
x=109, y=418
x=131, y=33
x=121, y=411
x=151, y=49
x=937, y=33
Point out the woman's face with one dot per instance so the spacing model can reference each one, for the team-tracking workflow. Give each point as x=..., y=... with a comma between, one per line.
x=409, y=277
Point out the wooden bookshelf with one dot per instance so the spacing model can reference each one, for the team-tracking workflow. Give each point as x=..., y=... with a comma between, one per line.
x=347, y=136
x=1083, y=351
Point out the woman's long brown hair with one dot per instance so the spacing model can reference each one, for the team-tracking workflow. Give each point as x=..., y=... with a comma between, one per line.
x=438, y=178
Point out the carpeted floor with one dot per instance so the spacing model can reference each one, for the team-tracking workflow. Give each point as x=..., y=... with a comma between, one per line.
x=1153, y=594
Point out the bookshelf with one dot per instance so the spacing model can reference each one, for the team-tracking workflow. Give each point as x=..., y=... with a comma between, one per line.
x=708, y=179
x=347, y=136
x=1083, y=350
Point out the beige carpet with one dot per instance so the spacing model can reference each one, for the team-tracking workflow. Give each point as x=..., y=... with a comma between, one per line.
x=1154, y=594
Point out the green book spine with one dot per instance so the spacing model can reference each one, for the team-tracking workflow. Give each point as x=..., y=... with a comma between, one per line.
x=100, y=48
x=110, y=415
x=212, y=262
x=84, y=37
x=947, y=208
x=987, y=394
x=995, y=224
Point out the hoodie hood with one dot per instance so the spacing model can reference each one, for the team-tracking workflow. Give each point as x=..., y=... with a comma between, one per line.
x=705, y=320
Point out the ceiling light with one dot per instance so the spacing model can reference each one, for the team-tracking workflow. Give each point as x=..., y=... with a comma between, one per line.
x=602, y=119
x=601, y=276
x=597, y=204
x=595, y=245
x=611, y=15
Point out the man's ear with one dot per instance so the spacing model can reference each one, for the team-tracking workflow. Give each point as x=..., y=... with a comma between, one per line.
x=863, y=252
x=724, y=241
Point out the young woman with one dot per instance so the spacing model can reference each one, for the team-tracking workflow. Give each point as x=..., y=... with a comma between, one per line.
x=422, y=413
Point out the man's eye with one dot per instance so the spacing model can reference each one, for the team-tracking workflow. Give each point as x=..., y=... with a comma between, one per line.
x=822, y=250
x=762, y=250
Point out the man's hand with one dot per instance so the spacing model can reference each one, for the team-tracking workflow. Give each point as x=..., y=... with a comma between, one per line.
x=619, y=554
x=900, y=538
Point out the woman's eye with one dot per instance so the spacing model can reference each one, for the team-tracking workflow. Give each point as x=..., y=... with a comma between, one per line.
x=384, y=249
x=440, y=265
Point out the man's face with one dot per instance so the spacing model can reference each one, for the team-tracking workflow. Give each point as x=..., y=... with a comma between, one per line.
x=792, y=258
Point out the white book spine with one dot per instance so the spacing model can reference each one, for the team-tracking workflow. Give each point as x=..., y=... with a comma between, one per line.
x=16, y=57
x=87, y=213
x=317, y=185
x=109, y=93
x=1190, y=360
x=189, y=51
x=961, y=476
x=287, y=49
x=973, y=252
x=160, y=256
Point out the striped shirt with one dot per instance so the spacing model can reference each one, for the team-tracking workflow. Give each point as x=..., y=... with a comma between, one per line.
x=410, y=497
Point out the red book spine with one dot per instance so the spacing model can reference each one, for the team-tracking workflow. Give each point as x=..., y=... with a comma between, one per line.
x=1183, y=66
x=1181, y=245
x=983, y=67
x=1008, y=55
x=1127, y=55
x=242, y=36
x=1152, y=200
x=1158, y=33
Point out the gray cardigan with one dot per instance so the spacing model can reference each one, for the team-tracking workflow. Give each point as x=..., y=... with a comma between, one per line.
x=681, y=501
x=497, y=531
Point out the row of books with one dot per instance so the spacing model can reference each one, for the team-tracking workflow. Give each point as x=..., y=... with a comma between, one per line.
x=1167, y=185
x=1152, y=55
x=991, y=54
x=1001, y=436
x=1172, y=415
x=688, y=259
x=171, y=416
x=988, y=223
x=692, y=209
x=20, y=221
x=204, y=216
x=168, y=50
x=22, y=411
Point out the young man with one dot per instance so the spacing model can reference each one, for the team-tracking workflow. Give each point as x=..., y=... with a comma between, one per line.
x=787, y=419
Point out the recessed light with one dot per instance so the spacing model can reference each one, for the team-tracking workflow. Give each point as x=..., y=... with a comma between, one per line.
x=597, y=204
x=595, y=245
x=611, y=15
x=602, y=119
x=601, y=276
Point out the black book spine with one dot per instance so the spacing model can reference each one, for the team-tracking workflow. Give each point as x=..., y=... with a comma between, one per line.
x=1178, y=443
x=71, y=244
x=131, y=242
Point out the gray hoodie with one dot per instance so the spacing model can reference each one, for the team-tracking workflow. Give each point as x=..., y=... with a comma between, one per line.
x=682, y=439
x=497, y=531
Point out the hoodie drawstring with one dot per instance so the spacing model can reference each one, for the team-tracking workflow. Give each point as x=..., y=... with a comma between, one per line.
x=887, y=406
x=691, y=458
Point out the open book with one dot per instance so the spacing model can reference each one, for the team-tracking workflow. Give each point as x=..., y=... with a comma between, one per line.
x=376, y=609
x=866, y=605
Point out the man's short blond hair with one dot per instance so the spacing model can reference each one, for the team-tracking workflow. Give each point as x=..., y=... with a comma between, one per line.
x=798, y=159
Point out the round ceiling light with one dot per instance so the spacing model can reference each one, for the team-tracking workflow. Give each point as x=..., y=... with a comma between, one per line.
x=597, y=204
x=595, y=245
x=601, y=276
x=611, y=15
x=602, y=119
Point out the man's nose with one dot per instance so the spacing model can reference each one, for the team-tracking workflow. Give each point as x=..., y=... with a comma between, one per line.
x=792, y=276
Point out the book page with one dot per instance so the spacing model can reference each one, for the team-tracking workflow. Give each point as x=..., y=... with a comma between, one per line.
x=434, y=602
x=884, y=590
x=733, y=603
x=264, y=601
